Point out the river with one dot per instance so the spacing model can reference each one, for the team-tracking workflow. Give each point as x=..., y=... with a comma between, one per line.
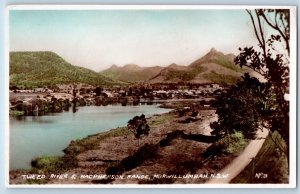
x=35, y=136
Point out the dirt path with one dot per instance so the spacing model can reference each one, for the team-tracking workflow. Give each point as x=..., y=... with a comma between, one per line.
x=240, y=162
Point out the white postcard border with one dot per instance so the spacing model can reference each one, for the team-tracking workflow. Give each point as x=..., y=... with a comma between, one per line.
x=292, y=97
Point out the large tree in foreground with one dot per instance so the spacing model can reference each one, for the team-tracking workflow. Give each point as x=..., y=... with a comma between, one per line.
x=251, y=103
x=271, y=60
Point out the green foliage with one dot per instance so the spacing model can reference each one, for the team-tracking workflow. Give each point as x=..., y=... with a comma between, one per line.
x=223, y=61
x=271, y=60
x=242, y=107
x=16, y=113
x=232, y=143
x=47, y=69
x=182, y=75
x=49, y=164
x=221, y=78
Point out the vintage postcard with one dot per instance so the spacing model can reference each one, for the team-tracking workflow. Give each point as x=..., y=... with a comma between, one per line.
x=151, y=96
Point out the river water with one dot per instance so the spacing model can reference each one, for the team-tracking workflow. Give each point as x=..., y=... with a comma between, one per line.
x=35, y=136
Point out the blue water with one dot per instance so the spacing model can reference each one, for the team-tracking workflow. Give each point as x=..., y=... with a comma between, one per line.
x=32, y=137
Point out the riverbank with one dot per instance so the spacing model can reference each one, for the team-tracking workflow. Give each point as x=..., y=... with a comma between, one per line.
x=173, y=147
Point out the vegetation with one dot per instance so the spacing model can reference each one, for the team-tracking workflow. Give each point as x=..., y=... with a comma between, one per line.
x=91, y=141
x=139, y=127
x=223, y=61
x=271, y=60
x=183, y=75
x=60, y=164
x=232, y=144
x=221, y=79
x=131, y=73
x=269, y=166
x=26, y=109
x=251, y=104
x=50, y=164
x=47, y=69
x=16, y=113
x=241, y=107
x=154, y=121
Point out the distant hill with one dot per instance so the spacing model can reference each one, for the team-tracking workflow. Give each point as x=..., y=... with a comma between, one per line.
x=44, y=69
x=214, y=67
x=131, y=73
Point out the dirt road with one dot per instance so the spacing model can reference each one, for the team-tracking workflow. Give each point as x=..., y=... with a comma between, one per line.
x=240, y=162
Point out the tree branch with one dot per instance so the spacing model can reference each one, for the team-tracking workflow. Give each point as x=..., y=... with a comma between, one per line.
x=275, y=27
x=262, y=35
x=254, y=26
x=261, y=72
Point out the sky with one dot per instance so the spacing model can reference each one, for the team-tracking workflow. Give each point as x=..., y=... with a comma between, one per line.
x=97, y=39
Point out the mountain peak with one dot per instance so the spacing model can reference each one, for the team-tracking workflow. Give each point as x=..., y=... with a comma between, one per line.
x=114, y=66
x=173, y=65
x=213, y=50
x=131, y=66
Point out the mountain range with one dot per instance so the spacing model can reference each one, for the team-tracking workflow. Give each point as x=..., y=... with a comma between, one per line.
x=214, y=67
x=46, y=69
x=131, y=73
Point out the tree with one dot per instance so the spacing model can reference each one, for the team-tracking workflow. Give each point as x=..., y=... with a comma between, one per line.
x=241, y=107
x=138, y=125
x=271, y=60
x=98, y=91
x=252, y=103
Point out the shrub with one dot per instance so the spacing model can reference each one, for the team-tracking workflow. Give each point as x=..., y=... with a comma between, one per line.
x=230, y=144
x=48, y=164
x=233, y=143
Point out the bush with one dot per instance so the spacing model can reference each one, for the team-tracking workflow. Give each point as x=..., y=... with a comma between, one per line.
x=16, y=113
x=229, y=144
x=233, y=143
x=48, y=164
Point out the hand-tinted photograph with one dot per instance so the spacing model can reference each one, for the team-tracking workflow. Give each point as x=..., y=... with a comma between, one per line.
x=133, y=96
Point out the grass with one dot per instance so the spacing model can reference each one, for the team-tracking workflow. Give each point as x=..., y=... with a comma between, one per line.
x=16, y=113
x=82, y=145
x=154, y=121
x=269, y=161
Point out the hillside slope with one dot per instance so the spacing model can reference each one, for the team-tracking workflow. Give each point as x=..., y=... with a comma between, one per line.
x=46, y=69
x=131, y=73
x=214, y=67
